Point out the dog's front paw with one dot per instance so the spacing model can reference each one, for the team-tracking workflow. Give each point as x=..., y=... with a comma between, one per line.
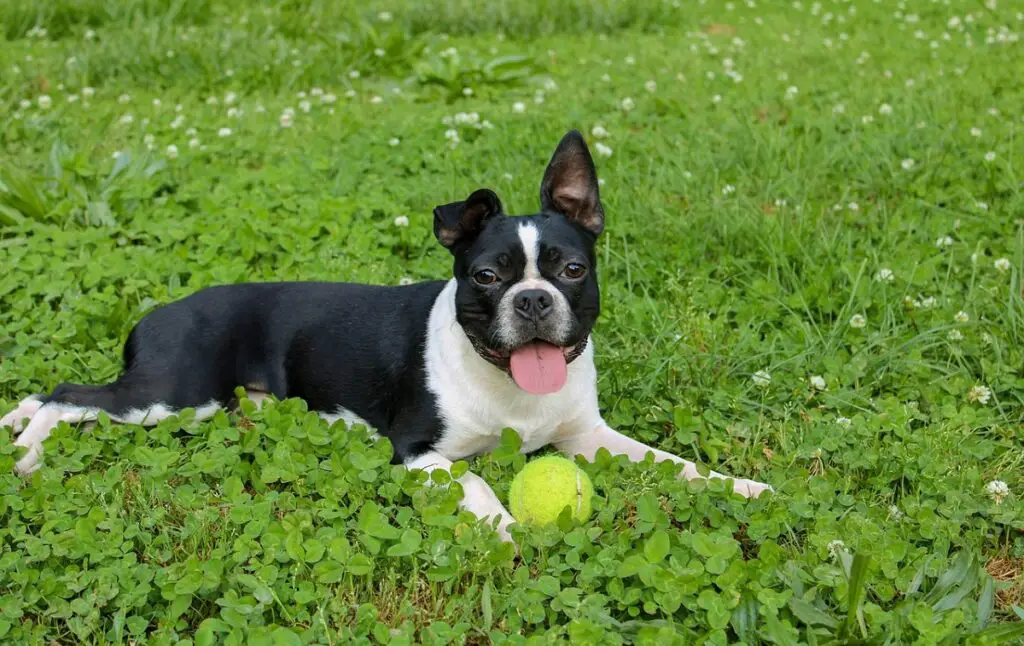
x=751, y=488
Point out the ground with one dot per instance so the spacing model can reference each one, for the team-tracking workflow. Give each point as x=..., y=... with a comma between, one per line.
x=811, y=276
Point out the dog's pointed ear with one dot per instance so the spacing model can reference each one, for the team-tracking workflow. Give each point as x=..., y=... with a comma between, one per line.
x=461, y=221
x=570, y=184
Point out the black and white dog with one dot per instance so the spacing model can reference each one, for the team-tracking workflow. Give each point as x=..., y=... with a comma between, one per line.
x=440, y=367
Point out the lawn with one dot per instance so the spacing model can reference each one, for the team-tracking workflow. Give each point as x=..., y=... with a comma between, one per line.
x=811, y=276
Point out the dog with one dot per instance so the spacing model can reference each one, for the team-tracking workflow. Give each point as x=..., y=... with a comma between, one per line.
x=440, y=368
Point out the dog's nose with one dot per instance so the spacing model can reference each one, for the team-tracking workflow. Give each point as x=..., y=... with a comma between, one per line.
x=533, y=304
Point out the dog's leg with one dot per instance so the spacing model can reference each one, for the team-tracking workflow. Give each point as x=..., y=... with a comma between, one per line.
x=19, y=418
x=478, y=497
x=587, y=445
x=74, y=403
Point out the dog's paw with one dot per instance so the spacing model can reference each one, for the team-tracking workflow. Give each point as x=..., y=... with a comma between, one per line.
x=19, y=418
x=30, y=461
x=751, y=488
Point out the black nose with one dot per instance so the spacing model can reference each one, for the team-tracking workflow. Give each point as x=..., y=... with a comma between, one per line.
x=533, y=304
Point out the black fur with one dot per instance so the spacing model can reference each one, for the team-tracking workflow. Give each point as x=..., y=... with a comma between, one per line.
x=357, y=347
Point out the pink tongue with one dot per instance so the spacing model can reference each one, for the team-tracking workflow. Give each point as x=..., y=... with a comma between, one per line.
x=539, y=368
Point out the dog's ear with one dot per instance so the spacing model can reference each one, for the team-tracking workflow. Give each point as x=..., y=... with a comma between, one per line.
x=570, y=184
x=460, y=221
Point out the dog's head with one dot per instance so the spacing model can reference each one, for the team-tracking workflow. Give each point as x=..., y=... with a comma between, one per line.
x=527, y=294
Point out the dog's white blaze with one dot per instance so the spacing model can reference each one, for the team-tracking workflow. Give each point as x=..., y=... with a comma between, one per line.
x=529, y=236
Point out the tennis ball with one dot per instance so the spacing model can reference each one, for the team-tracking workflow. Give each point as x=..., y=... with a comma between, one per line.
x=545, y=487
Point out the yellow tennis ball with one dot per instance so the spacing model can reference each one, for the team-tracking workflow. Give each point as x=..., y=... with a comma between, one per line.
x=545, y=487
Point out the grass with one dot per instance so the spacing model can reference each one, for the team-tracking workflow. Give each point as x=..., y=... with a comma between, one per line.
x=778, y=174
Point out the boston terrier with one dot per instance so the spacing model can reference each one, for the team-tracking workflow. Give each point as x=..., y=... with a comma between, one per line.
x=440, y=368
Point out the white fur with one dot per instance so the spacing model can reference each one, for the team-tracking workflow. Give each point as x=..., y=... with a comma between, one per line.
x=477, y=496
x=19, y=418
x=529, y=236
x=46, y=417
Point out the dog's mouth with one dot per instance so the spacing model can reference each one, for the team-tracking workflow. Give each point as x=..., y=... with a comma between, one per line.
x=539, y=367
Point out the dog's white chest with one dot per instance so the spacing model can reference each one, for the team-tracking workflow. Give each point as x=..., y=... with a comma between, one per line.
x=476, y=401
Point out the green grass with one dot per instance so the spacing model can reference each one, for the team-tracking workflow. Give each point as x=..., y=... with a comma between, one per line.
x=747, y=226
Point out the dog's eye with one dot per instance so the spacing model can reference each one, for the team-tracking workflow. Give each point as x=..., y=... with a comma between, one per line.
x=485, y=277
x=574, y=270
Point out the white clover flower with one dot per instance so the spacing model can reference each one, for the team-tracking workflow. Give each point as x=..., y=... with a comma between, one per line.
x=229, y=98
x=885, y=275
x=452, y=135
x=895, y=513
x=955, y=335
x=234, y=113
x=627, y=104
x=835, y=546
x=550, y=85
x=762, y=378
x=353, y=74
x=126, y=119
x=818, y=382
x=224, y=132
x=328, y=98
x=979, y=394
x=651, y=86
x=305, y=105
x=190, y=132
x=944, y=241
x=602, y=149
x=88, y=92
x=990, y=156
x=45, y=101
x=961, y=317
x=193, y=142
x=149, y=140
x=983, y=206
x=172, y=152
x=885, y=109
x=716, y=99
x=858, y=321
x=599, y=132
x=630, y=60
x=376, y=100
x=467, y=91
x=285, y=120
x=379, y=52
x=845, y=422
x=519, y=107
x=402, y=221
x=316, y=91
x=384, y=16
x=25, y=104
x=124, y=98
x=728, y=189
x=907, y=163
x=394, y=141
x=975, y=132
x=72, y=98
x=839, y=109
x=1002, y=265
x=998, y=491
x=212, y=100
x=90, y=34
x=853, y=206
